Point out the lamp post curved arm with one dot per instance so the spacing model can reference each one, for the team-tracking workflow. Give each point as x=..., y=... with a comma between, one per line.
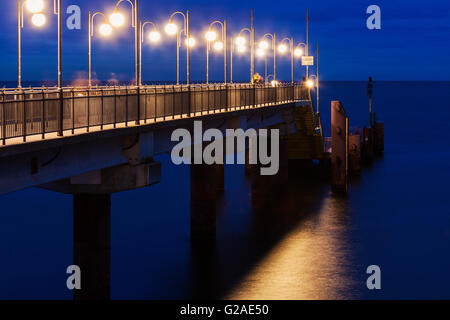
x=133, y=11
x=240, y=43
x=38, y=19
x=107, y=31
x=179, y=13
x=117, y=20
x=291, y=49
x=210, y=36
x=154, y=36
x=301, y=44
x=143, y=28
x=172, y=30
x=273, y=38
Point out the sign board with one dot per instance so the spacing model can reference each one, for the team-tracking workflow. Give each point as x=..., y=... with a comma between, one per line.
x=307, y=60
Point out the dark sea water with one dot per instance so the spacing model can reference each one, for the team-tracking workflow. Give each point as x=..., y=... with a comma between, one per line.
x=308, y=244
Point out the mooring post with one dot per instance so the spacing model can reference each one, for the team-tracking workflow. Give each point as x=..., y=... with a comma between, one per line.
x=379, y=138
x=340, y=143
x=355, y=153
x=92, y=245
x=368, y=145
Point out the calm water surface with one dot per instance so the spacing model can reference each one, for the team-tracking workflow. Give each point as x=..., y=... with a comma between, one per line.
x=306, y=244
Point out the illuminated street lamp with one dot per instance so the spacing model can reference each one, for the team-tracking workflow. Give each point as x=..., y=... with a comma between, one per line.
x=240, y=42
x=218, y=45
x=191, y=42
x=38, y=19
x=172, y=29
x=264, y=45
x=154, y=36
x=283, y=48
x=117, y=20
x=104, y=29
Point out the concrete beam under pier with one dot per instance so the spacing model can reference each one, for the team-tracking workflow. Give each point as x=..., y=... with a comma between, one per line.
x=41, y=162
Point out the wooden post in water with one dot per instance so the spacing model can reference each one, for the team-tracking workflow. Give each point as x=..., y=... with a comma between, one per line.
x=355, y=153
x=379, y=138
x=367, y=147
x=340, y=144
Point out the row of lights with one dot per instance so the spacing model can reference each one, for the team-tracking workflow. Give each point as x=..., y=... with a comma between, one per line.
x=36, y=7
x=117, y=20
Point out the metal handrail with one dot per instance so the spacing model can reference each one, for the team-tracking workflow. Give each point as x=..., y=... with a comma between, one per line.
x=35, y=111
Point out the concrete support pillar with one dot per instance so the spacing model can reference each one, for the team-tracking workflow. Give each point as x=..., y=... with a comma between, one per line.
x=339, y=155
x=220, y=178
x=203, y=202
x=260, y=185
x=248, y=166
x=92, y=245
x=282, y=177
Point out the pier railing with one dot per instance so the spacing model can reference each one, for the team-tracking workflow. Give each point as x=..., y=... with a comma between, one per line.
x=37, y=111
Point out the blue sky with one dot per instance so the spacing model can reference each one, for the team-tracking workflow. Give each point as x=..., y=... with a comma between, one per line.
x=413, y=43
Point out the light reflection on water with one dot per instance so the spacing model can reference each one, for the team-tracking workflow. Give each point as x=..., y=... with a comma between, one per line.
x=310, y=262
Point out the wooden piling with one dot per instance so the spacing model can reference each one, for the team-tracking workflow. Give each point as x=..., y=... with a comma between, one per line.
x=340, y=145
x=379, y=138
x=367, y=145
x=355, y=153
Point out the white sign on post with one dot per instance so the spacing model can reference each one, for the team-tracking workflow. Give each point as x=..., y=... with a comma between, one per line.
x=307, y=60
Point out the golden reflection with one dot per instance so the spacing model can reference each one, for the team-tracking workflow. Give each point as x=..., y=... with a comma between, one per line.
x=311, y=262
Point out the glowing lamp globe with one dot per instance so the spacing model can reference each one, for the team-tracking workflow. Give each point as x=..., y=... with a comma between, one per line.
x=218, y=46
x=38, y=19
x=35, y=6
x=310, y=83
x=282, y=48
x=171, y=29
x=105, y=29
x=240, y=41
x=241, y=49
x=191, y=42
x=154, y=36
x=298, y=52
x=260, y=52
x=211, y=36
x=117, y=19
x=264, y=45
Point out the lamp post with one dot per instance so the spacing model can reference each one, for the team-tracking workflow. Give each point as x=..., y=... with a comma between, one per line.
x=38, y=19
x=117, y=20
x=298, y=51
x=313, y=81
x=172, y=29
x=218, y=45
x=240, y=42
x=154, y=36
x=263, y=45
x=105, y=29
x=283, y=49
